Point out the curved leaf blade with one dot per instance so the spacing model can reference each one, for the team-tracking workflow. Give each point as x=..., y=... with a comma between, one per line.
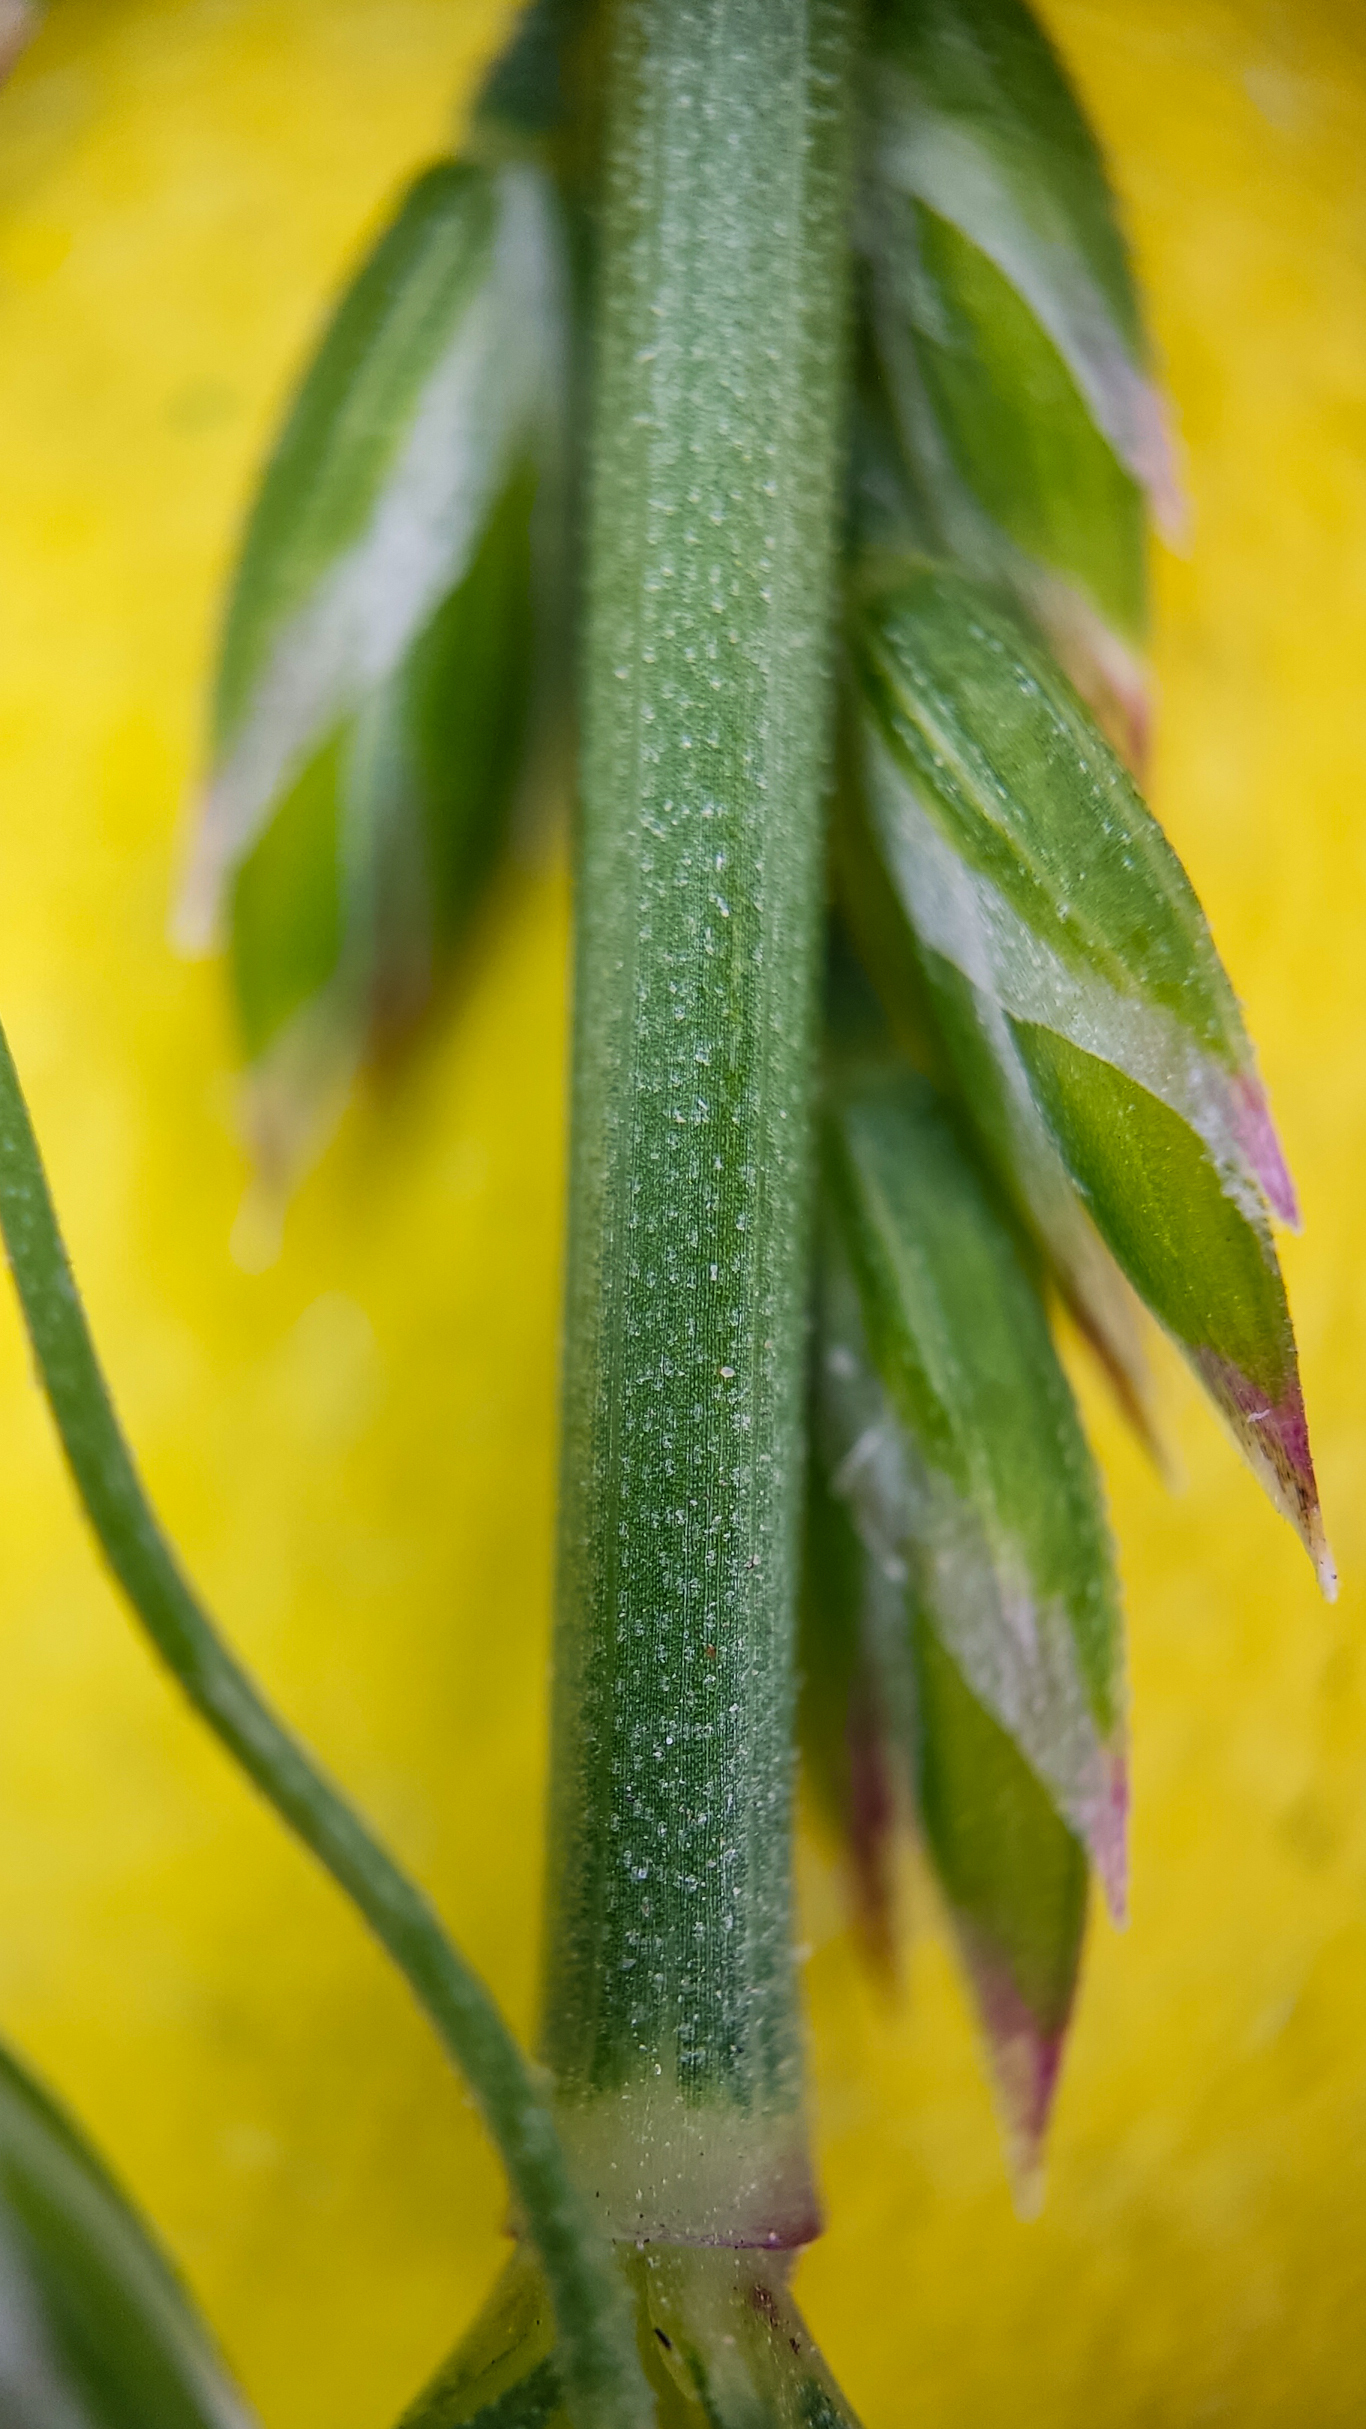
x=1017, y=427
x=368, y=876
x=964, y=1042
x=1014, y=1877
x=438, y=374
x=1010, y=334
x=98, y=2332
x=380, y=651
x=1012, y=1872
x=1206, y=1268
x=1059, y=931
x=984, y=1475
x=977, y=121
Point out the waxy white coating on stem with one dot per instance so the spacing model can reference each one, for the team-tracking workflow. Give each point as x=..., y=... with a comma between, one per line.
x=670, y=2003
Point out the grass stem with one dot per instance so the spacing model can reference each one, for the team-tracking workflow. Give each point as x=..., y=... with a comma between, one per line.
x=671, y=2016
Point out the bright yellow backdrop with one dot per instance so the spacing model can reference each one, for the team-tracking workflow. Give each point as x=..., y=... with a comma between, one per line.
x=355, y=1449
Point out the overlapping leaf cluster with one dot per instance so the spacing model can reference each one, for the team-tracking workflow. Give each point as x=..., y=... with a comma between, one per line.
x=1037, y=1078
x=1089, y=1124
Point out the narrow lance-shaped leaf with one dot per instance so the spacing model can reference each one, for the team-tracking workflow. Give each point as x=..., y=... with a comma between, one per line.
x=1009, y=330
x=1014, y=1877
x=374, y=686
x=1011, y=1868
x=964, y=1042
x=979, y=1461
x=95, y=2330
x=1062, y=941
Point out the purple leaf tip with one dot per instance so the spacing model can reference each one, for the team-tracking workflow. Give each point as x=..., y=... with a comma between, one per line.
x=1025, y=2057
x=1274, y=1436
x=1103, y=1820
x=1256, y=1134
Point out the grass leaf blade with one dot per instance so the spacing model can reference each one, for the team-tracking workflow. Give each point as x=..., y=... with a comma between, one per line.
x=985, y=1475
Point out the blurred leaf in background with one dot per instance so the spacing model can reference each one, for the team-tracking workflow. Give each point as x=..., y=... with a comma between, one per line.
x=95, y=2331
x=378, y=667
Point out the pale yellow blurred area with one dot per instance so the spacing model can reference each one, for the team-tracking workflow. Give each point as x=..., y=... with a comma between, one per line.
x=355, y=1450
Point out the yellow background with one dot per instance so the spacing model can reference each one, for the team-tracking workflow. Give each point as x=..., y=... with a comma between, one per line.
x=355, y=1449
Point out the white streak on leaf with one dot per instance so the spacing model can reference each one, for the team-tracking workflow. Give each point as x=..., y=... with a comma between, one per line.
x=1015, y=1649
x=949, y=168
x=489, y=393
x=1100, y=1298
x=961, y=915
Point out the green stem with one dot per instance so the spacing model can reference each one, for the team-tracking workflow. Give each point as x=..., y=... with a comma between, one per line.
x=671, y=2015
x=600, y=2370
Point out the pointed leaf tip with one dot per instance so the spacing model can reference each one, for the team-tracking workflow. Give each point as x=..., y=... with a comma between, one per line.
x=1025, y=2058
x=983, y=1475
x=1014, y=1877
x=1009, y=1776
x=1067, y=956
x=387, y=646
x=1273, y=1435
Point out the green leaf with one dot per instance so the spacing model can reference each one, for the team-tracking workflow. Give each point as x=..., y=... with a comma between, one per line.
x=1078, y=992
x=379, y=653
x=368, y=875
x=1017, y=427
x=977, y=106
x=1009, y=330
x=97, y=2332
x=1014, y=1878
x=1012, y=1871
x=1205, y=1267
x=974, y=1469
x=964, y=1042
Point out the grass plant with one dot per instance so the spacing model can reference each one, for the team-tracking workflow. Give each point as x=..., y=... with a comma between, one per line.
x=759, y=411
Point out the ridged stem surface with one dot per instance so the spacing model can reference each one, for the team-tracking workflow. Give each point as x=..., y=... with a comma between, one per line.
x=671, y=2016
